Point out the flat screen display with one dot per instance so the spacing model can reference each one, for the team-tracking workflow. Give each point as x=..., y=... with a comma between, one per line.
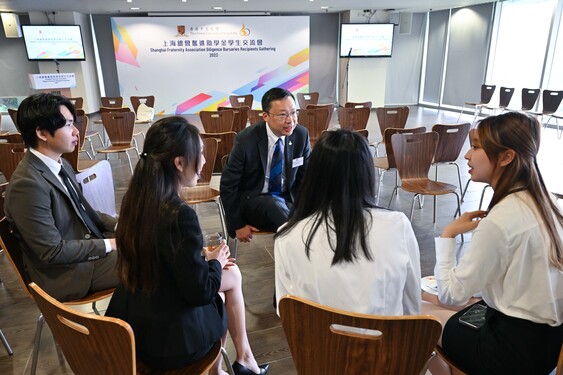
x=53, y=42
x=366, y=39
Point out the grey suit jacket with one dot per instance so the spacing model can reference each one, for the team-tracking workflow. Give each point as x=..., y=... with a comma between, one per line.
x=58, y=250
x=245, y=172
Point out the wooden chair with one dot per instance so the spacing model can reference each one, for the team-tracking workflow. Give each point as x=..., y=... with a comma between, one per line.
x=240, y=117
x=11, y=138
x=487, y=92
x=14, y=116
x=315, y=120
x=414, y=154
x=217, y=121
x=203, y=193
x=330, y=109
x=325, y=340
x=10, y=156
x=13, y=250
x=390, y=117
x=529, y=99
x=306, y=98
x=451, y=139
x=505, y=96
x=255, y=116
x=353, y=118
x=137, y=100
x=240, y=100
x=119, y=128
x=77, y=102
x=3, y=188
x=99, y=344
x=387, y=162
x=550, y=102
x=112, y=101
x=226, y=143
x=357, y=104
x=138, y=129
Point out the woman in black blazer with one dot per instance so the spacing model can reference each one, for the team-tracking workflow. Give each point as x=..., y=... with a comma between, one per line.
x=171, y=289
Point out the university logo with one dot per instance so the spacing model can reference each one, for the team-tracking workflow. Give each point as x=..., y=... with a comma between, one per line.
x=181, y=30
x=244, y=31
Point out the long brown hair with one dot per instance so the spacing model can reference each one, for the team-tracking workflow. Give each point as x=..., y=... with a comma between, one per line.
x=521, y=133
x=149, y=210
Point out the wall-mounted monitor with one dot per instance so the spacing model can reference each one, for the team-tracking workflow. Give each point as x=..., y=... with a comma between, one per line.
x=53, y=42
x=366, y=39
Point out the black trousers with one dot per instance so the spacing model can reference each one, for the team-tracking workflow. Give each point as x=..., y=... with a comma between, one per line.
x=504, y=345
x=266, y=212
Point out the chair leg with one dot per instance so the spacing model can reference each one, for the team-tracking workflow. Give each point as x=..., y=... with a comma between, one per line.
x=130, y=165
x=381, y=173
x=95, y=309
x=412, y=206
x=38, y=331
x=483, y=195
x=463, y=191
x=460, y=112
x=227, y=361
x=6, y=343
x=395, y=189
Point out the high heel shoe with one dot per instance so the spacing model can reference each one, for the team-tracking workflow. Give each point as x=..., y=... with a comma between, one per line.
x=242, y=370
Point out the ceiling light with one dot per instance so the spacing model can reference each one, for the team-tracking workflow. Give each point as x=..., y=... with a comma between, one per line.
x=184, y=1
x=129, y=1
x=217, y=8
x=325, y=7
x=135, y=8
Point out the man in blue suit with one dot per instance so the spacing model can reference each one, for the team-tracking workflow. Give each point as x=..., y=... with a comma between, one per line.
x=264, y=169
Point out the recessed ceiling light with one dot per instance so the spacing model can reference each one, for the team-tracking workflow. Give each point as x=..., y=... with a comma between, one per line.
x=325, y=7
x=184, y=1
x=135, y=8
x=129, y=1
x=217, y=8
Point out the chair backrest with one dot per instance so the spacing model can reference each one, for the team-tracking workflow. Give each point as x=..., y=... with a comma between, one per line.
x=353, y=118
x=390, y=153
x=315, y=120
x=11, y=138
x=327, y=341
x=81, y=124
x=357, y=104
x=217, y=121
x=226, y=143
x=91, y=344
x=551, y=100
x=505, y=96
x=306, y=98
x=13, y=250
x=119, y=126
x=14, y=116
x=241, y=117
x=392, y=117
x=77, y=102
x=114, y=109
x=255, y=116
x=330, y=108
x=3, y=188
x=146, y=100
x=529, y=98
x=364, y=133
x=240, y=100
x=112, y=101
x=210, y=146
x=414, y=154
x=451, y=139
x=487, y=92
x=10, y=156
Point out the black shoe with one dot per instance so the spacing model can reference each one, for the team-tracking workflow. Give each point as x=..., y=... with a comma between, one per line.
x=242, y=370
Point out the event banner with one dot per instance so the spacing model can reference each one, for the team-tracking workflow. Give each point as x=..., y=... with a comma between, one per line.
x=194, y=63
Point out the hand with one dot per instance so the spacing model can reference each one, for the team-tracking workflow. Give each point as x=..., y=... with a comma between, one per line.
x=244, y=234
x=113, y=243
x=230, y=263
x=220, y=253
x=465, y=223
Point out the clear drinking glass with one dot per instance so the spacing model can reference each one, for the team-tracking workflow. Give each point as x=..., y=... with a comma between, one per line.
x=213, y=240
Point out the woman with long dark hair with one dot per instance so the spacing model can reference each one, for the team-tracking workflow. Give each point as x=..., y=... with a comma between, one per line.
x=338, y=248
x=514, y=259
x=170, y=293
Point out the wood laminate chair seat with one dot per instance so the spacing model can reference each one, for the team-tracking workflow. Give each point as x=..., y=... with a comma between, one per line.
x=119, y=128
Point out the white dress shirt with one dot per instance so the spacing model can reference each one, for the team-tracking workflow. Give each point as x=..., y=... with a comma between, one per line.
x=508, y=261
x=389, y=284
x=272, y=139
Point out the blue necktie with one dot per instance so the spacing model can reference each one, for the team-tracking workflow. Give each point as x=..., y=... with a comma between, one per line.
x=276, y=169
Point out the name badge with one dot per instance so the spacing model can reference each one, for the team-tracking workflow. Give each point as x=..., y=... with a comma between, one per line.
x=297, y=162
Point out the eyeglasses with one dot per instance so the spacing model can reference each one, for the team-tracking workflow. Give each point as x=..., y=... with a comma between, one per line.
x=283, y=116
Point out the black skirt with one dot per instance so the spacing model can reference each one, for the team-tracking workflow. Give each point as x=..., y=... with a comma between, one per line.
x=504, y=345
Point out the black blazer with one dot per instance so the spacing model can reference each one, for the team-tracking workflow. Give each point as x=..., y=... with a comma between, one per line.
x=185, y=314
x=245, y=171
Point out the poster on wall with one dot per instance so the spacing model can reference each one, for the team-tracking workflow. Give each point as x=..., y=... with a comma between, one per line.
x=193, y=64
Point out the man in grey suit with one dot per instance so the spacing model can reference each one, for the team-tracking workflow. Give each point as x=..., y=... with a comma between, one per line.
x=65, y=249
x=264, y=168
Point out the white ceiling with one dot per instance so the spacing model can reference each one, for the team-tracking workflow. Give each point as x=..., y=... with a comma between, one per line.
x=273, y=6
